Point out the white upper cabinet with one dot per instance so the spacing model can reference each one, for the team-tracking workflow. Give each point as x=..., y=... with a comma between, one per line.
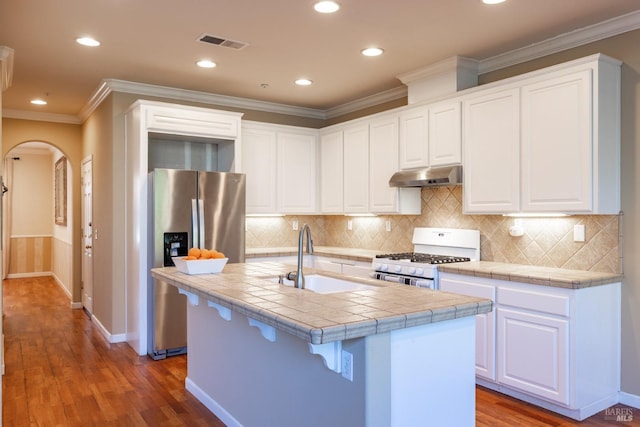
x=564, y=123
x=259, y=164
x=280, y=163
x=445, y=134
x=492, y=152
x=331, y=173
x=369, y=157
x=356, y=168
x=414, y=138
x=557, y=144
x=297, y=157
x=383, y=154
x=431, y=135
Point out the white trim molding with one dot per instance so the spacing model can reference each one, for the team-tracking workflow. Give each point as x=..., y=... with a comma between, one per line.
x=629, y=399
x=582, y=36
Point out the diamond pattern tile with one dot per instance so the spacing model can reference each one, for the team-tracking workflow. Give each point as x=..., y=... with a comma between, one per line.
x=547, y=242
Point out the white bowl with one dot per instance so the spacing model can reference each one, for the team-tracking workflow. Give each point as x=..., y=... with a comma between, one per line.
x=199, y=266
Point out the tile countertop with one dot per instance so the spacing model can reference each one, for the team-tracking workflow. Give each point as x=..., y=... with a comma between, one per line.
x=548, y=276
x=250, y=289
x=355, y=254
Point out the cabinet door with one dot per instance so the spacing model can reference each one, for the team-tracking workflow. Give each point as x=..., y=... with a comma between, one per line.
x=356, y=169
x=485, y=323
x=533, y=353
x=296, y=173
x=259, y=165
x=492, y=154
x=331, y=173
x=445, y=134
x=414, y=143
x=383, y=146
x=557, y=144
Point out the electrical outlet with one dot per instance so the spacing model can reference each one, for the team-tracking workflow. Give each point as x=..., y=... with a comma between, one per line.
x=388, y=225
x=349, y=224
x=347, y=365
x=579, y=233
x=295, y=224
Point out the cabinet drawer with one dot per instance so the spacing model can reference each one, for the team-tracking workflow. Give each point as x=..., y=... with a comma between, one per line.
x=469, y=289
x=535, y=301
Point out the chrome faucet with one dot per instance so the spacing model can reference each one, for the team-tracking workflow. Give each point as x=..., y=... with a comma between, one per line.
x=298, y=277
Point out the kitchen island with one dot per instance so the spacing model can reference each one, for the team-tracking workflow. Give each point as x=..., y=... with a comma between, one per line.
x=261, y=353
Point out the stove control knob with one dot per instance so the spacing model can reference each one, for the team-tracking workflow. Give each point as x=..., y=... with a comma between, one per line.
x=411, y=270
x=383, y=267
x=398, y=268
x=419, y=271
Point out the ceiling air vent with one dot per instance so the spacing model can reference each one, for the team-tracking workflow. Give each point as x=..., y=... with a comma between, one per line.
x=219, y=41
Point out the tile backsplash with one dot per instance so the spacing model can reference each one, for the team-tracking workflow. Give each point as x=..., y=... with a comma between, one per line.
x=546, y=241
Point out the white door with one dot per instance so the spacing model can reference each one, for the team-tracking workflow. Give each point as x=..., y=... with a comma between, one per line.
x=87, y=235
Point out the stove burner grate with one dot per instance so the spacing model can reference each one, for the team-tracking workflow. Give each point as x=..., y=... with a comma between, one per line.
x=423, y=258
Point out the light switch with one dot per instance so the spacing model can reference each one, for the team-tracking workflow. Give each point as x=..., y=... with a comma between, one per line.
x=349, y=224
x=578, y=233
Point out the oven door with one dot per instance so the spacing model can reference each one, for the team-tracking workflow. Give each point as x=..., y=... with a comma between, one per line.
x=419, y=282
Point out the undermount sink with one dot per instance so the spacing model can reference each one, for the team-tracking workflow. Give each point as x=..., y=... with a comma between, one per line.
x=327, y=285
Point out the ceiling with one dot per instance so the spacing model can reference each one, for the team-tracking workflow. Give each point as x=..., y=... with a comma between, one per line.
x=155, y=42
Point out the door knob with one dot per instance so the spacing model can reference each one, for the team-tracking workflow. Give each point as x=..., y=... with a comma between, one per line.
x=88, y=247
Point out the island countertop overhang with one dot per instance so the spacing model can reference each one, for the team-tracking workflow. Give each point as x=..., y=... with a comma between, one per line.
x=250, y=289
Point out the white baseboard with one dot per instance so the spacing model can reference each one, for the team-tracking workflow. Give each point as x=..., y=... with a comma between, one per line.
x=105, y=333
x=211, y=404
x=629, y=399
x=25, y=275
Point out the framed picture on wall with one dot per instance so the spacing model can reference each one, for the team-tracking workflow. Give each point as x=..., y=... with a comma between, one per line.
x=60, y=190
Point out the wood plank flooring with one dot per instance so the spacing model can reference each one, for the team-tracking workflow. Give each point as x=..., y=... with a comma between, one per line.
x=60, y=371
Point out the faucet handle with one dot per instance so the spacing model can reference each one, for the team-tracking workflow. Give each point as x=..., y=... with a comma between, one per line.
x=291, y=275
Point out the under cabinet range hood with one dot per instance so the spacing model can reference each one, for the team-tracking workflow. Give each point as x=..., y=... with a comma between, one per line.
x=427, y=177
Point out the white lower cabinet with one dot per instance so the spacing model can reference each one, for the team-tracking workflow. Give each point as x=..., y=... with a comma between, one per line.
x=534, y=355
x=485, y=323
x=554, y=347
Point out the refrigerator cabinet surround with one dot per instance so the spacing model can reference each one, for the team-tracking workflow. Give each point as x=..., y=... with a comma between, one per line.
x=207, y=207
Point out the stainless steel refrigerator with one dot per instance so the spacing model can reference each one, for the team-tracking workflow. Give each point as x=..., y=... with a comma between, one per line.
x=189, y=209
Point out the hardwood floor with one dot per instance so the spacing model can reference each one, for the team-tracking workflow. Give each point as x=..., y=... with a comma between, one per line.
x=60, y=371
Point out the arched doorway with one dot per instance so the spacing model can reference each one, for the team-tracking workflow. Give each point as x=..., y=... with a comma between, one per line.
x=38, y=219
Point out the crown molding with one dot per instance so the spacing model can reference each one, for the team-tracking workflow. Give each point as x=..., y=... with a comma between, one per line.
x=42, y=117
x=441, y=67
x=366, y=102
x=6, y=67
x=113, y=85
x=582, y=36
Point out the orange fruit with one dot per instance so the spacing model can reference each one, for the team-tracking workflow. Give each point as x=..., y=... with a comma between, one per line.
x=218, y=255
x=205, y=254
x=190, y=258
x=194, y=252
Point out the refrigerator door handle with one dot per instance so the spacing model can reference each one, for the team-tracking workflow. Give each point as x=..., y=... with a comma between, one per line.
x=201, y=223
x=195, y=236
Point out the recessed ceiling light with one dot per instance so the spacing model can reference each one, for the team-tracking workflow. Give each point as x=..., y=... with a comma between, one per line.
x=88, y=41
x=38, y=102
x=326, y=6
x=205, y=63
x=493, y=1
x=372, y=51
x=303, y=82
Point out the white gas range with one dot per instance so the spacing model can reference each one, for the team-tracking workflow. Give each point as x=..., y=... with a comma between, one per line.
x=432, y=246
